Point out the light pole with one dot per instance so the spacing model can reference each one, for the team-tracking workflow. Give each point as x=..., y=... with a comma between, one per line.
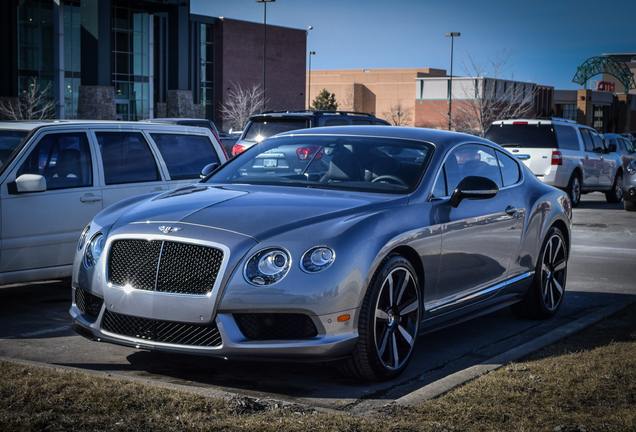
x=264, y=48
x=451, y=35
x=309, y=83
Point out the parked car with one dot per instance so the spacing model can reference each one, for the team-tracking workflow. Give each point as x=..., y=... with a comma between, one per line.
x=270, y=123
x=629, y=187
x=191, y=122
x=621, y=146
x=340, y=243
x=564, y=154
x=55, y=176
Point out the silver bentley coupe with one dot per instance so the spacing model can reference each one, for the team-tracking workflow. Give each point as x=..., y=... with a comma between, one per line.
x=328, y=244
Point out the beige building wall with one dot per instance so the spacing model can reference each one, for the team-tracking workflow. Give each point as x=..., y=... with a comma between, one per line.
x=374, y=91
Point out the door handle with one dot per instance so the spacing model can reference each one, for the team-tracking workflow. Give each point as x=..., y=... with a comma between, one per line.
x=158, y=189
x=511, y=210
x=89, y=198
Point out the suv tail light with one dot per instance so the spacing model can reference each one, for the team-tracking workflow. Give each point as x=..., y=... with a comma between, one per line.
x=520, y=123
x=557, y=158
x=237, y=149
x=306, y=153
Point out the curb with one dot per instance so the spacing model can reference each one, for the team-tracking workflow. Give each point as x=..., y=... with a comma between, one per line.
x=448, y=383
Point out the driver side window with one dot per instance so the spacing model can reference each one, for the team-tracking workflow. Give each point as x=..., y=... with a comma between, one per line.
x=463, y=161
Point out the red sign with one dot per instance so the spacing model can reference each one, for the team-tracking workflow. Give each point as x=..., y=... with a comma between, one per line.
x=606, y=86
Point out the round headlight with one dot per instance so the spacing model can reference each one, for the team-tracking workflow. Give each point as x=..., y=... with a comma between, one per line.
x=317, y=259
x=94, y=250
x=267, y=266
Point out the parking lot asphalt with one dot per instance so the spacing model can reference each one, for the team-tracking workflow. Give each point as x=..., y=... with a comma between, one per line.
x=35, y=328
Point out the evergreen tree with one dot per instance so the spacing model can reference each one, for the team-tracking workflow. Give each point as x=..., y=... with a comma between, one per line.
x=325, y=101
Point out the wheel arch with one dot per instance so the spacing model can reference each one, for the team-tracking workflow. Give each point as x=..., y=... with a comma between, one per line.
x=414, y=258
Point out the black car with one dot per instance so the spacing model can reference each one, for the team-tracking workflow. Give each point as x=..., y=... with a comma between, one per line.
x=270, y=123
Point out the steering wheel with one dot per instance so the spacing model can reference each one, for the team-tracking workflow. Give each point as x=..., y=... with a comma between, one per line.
x=390, y=179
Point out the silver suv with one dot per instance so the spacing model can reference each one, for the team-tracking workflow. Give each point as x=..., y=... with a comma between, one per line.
x=563, y=154
x=56, y=176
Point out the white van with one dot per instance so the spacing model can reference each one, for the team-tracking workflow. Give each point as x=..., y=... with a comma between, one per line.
x=564, y=154
x=56, y=176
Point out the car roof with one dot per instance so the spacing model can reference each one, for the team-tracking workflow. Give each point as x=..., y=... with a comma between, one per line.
x=434, y=136
x=311, y=113
x=538, y=120
x=28, y=125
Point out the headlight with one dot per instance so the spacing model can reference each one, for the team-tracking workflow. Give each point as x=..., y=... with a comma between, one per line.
x=267, y=266
x=631, y=168
x=82, y=239
x=94, y=250
x=317, y=259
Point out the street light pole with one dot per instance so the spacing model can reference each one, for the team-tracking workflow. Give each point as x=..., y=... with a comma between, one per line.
x=309, y=83
x=451, y=35
x=264, y=48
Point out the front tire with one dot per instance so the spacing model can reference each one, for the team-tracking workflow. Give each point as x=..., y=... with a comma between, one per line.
x=545, y=296
x=615, y=195
x=629, y=205
x=388, y=324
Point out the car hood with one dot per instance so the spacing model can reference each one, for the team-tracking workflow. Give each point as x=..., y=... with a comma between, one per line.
x=256, y=212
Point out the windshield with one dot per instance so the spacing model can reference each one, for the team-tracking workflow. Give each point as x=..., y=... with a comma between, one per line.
x=9, y=141
x=523, y=135
x=335, y=162
x=260, y=129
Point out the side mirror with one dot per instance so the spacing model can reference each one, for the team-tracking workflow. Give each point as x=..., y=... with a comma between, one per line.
x=475, y=188
x=29, y=183
x=209, y=169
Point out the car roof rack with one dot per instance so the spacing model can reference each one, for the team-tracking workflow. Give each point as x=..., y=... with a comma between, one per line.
x=318, y=112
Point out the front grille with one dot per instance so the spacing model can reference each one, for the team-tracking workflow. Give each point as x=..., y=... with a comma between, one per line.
x=88, y=303
x=162, y=331
x=270, y=326
x=164, y=266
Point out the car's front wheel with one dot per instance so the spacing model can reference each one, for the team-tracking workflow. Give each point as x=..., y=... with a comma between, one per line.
x=629, y=205
x=388, y=324
x=545, y=295
x=615, y=195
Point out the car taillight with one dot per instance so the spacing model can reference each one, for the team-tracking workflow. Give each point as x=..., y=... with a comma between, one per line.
x=238, y=148
x=306, y=153
x=557, y=158
x=520, y=123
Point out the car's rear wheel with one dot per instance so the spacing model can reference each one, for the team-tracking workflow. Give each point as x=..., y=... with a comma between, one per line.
x=388, y=324
x=574, y=189
x=629, y=205
x=545, y=295
x=615, y=195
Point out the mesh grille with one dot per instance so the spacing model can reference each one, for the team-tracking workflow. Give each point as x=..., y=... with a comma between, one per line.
x=269, y=326
x=162, y=331
x=164, y=266
x=88, y=303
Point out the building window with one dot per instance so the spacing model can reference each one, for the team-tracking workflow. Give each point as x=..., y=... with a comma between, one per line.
x=569, y=111
x=132, y=74
x=35, y=46
x=72, y=59
x=206, y=87
x=599, y=118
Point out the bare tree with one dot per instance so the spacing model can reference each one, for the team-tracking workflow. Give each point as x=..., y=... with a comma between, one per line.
x=485, y=100
x=242, y=103
x=347, y=102
x=399, y=114
x=33, y=104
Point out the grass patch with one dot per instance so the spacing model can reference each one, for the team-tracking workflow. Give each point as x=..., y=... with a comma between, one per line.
x=586, y=382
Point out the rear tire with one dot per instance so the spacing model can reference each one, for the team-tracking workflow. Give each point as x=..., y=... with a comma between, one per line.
x=574, y=189
x=389, y=322
x=629, y=205
x=615, y=195
x=545, y=296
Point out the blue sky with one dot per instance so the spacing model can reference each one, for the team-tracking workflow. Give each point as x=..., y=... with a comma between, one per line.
x=547, y=39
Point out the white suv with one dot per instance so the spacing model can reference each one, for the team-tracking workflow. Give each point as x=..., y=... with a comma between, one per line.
x=564, y=154
x=56, y=176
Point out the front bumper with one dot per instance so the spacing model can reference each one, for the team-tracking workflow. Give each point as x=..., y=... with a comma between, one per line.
x=293, y=335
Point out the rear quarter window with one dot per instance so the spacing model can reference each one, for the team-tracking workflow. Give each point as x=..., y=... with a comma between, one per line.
x=567, y=137
x=185, y=155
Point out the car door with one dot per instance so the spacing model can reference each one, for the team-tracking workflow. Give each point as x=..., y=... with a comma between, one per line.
x=129, y=166
x=41, y=224
x=479, y=237
x=598, y=172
